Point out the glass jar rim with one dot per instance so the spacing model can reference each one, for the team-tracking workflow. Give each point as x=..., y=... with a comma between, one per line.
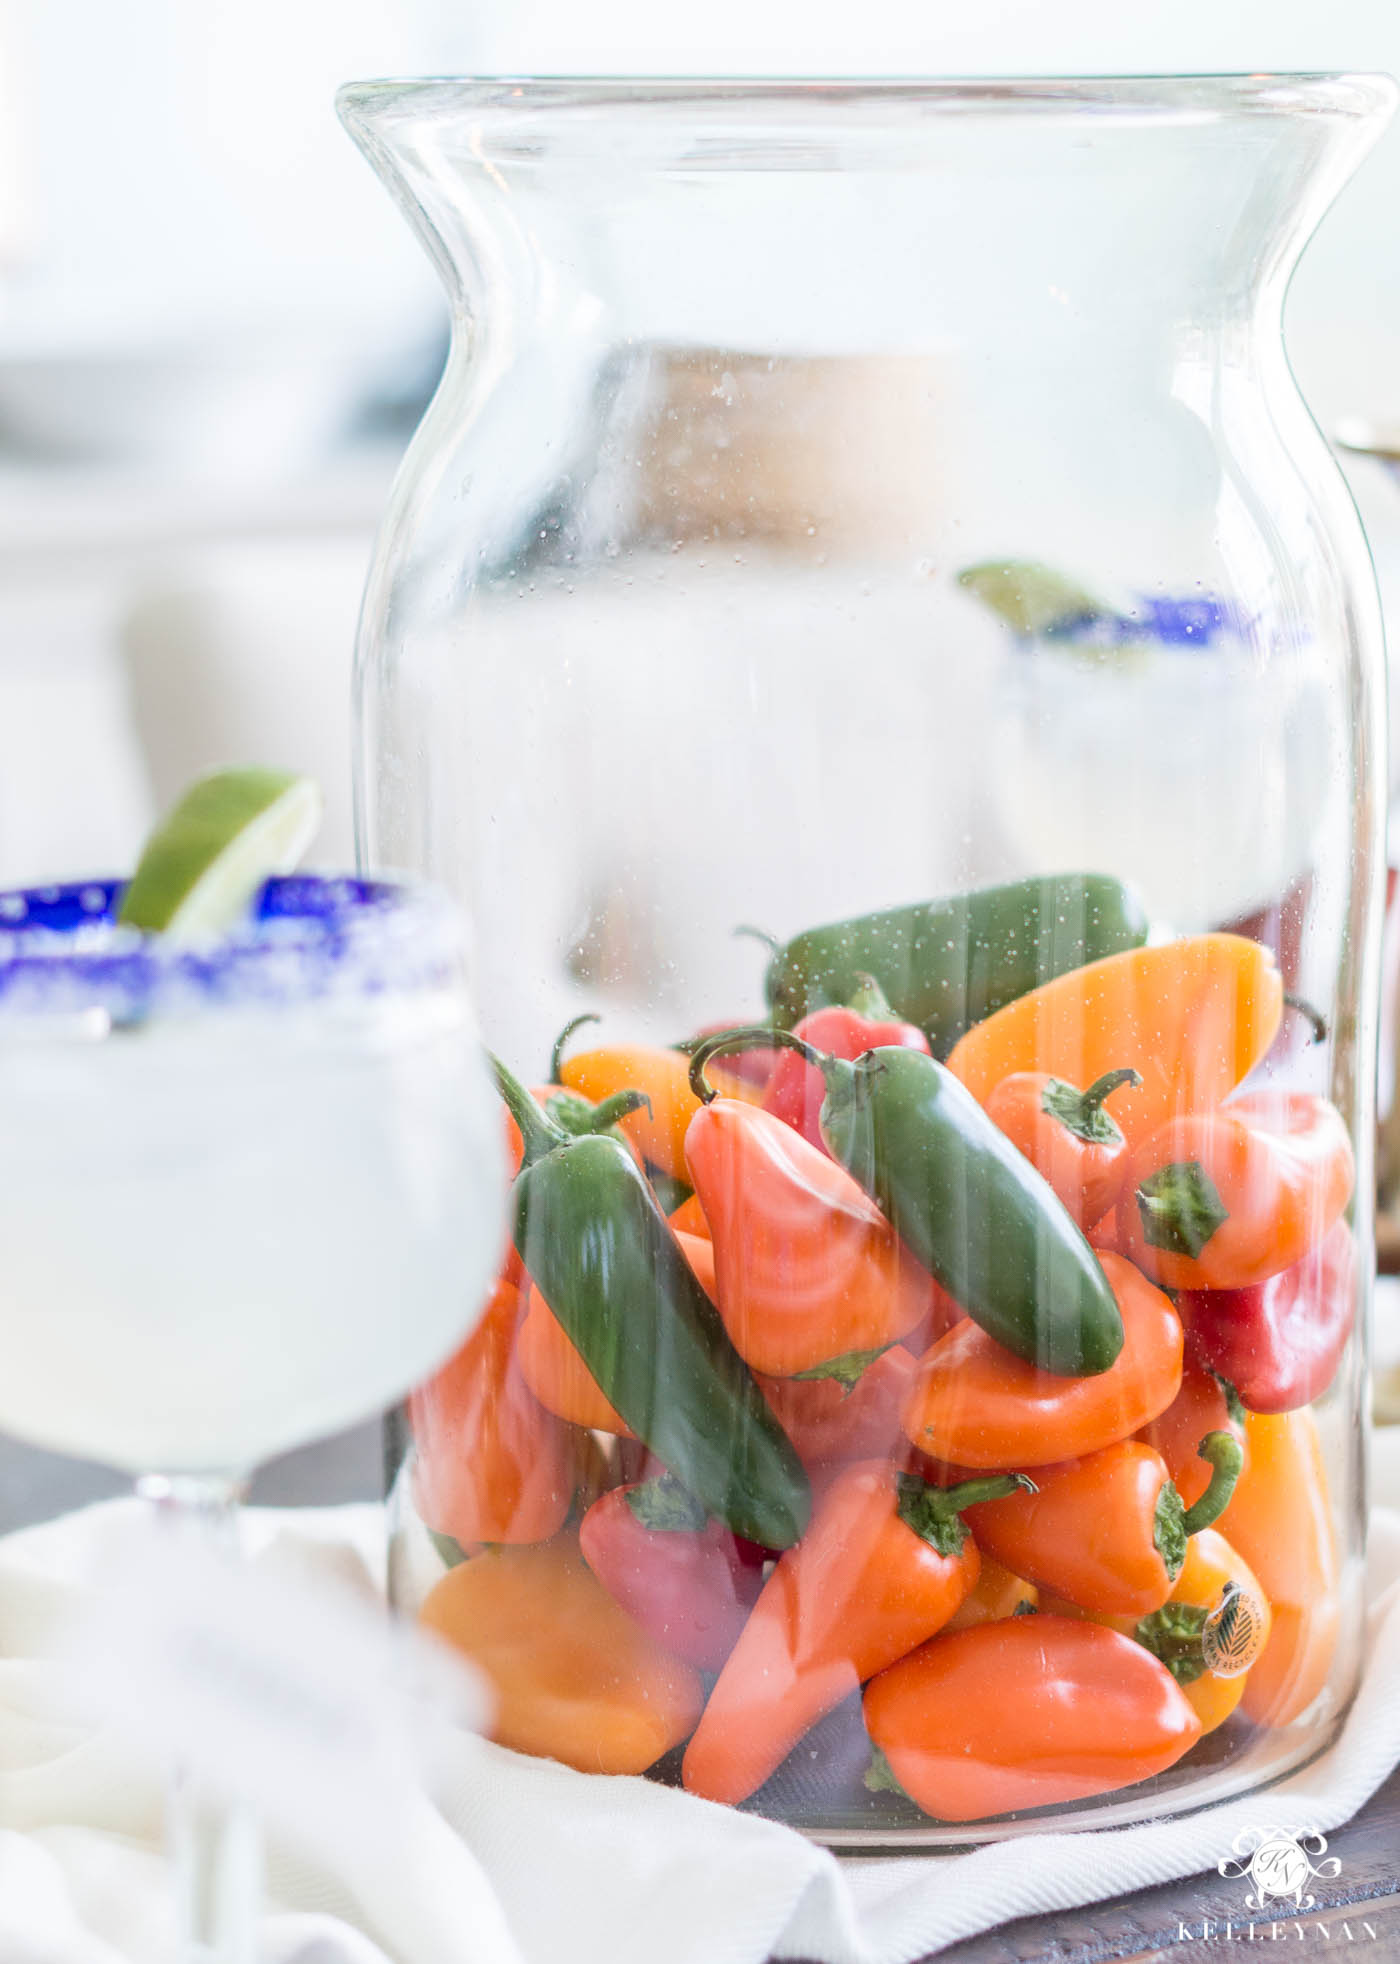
x=307, y=937
x=1283, y=92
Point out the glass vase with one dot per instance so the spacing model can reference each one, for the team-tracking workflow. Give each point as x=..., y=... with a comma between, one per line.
x=879, y=520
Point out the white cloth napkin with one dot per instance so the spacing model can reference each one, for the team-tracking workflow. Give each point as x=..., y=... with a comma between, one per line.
x=536, y=1862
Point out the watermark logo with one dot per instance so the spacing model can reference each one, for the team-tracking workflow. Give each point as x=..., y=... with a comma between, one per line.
x=1279, y=1865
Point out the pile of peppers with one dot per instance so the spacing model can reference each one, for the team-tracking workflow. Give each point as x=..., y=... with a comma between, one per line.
x=941, y=1346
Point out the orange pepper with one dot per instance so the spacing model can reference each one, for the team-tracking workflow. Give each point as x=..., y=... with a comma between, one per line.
x=558, y=1376
x=827, y=1419
x=490, y=1463
x=575, y=1678
x=808, y=1268
x=883, y=1565
x=974, y=1404
x=997, y=1593
x=659, y=1135
x=1067, y=1135
x=1202, y=1405
x=1225, y=1199
x=689, y=1218
x=1280, y=1521
x=1090, y=1531
x=1025, y=1712
x=1192, y=1016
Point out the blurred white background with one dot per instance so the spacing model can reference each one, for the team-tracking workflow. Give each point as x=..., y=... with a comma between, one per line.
x=215, y=332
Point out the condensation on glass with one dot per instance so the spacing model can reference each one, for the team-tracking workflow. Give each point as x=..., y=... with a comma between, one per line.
x=841, y=497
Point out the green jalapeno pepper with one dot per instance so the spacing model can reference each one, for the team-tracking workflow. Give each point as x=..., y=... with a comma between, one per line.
x=962, y=1199
x=588, y=1229
x=945, y=964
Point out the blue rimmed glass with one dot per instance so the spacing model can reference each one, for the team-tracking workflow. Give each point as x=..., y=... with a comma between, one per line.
x=249, y=1193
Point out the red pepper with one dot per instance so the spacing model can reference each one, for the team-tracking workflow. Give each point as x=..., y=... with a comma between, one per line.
x=1279, y=1342
x=796, y=1088
x=686, y=1579
x=1203, y=1404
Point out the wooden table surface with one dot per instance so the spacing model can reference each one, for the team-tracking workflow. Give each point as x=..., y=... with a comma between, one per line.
x=1356, y=1913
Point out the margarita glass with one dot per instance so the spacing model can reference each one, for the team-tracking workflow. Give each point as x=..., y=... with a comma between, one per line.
x=249, y=1192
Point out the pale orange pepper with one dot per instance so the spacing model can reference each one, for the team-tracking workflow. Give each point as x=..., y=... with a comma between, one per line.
x=574, y=1678
x=1191, y=1016
x=664, y=1075
x=1280, y=1520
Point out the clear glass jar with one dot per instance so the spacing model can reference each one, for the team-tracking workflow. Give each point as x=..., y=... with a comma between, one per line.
x=842, y=498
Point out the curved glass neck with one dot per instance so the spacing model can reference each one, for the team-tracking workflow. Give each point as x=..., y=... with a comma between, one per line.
x=1175, y=193
x=830, y=311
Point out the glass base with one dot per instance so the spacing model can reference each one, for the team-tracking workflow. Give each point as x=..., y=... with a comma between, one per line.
x=819, y=1790
x=821, y=1793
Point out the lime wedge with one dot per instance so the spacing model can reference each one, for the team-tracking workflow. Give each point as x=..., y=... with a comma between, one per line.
x=207, y=858
x=1030, y=597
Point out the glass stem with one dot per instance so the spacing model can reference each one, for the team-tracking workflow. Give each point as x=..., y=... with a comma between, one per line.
x=215, y=1846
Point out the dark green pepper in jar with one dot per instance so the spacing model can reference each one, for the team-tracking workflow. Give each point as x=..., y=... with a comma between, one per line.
x=602, y=1254
x=962, y=1199
x=945, y=964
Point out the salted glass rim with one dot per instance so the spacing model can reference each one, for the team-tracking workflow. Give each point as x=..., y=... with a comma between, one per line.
x=307, y=937
x=1335, y=92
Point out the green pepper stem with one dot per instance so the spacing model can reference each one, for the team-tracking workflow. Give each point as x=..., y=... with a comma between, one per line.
x=747, y=933
x=539, y=1133
x=1221, y=1451
x=618, y=1106
x=748, y=1036
x=1105, y=1086
x=934, y=1513
x=664, y=1506
x=1173, y=1635
x=988, y=1486
x=1082, y=1112
x=1310, y=1015
x=879, y=1776
x=1180, y=1208
x=689, y=1045
x=556, y=1055
x=870, y=999
x=848, y=1369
